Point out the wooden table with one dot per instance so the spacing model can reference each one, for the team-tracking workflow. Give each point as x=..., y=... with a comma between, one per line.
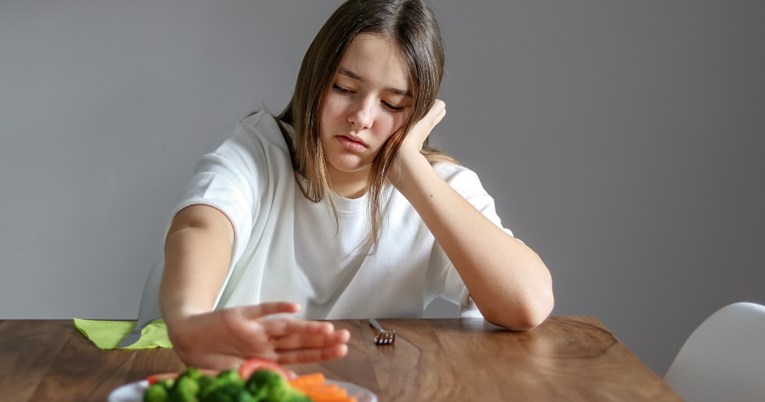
x=564, y=359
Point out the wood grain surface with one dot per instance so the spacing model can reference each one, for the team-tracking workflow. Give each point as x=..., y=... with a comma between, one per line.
x=564, y=359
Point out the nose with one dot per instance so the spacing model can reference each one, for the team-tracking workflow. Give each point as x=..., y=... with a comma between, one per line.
x=362, y=115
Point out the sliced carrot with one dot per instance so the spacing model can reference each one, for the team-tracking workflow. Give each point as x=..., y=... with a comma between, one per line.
x=316, y=387
x=326, y=394
x=334, y=393
x=319, y=388
x=308, y=379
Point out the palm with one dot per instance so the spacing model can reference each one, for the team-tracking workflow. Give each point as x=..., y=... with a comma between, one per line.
x=225, y=338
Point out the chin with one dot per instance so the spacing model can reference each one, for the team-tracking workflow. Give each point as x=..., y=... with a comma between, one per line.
x=350, y=166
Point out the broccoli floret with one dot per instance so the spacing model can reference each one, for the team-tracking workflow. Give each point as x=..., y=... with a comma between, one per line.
x=227, y=386
x=191, y=372
x=267, y=385
x=209, y=386
x=155, y=393
x=229, y=392
x=270, y=386
x=184, y=390
x=206, y=385
x=167, y=384
x=229, y=377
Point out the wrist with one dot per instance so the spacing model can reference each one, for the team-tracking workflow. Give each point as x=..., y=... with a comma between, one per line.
x=409, y=170
x=180, y=312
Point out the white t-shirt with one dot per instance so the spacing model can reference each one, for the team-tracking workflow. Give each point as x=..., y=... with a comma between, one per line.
x=288, y=248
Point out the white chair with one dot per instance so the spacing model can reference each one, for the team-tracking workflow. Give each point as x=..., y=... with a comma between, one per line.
x=148, y=310
x=724, y=358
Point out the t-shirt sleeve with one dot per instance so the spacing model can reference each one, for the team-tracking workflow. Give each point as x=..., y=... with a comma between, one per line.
x=229, y=180
x=467, y=184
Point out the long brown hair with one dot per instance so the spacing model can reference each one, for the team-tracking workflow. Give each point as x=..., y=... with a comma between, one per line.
x=413, y=27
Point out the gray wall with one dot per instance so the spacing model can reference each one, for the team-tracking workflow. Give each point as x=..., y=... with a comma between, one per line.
x=623, y=140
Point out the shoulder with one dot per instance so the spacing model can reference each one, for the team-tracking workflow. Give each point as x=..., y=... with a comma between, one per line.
x=261, y=127
x=457, y=176
x=463, y=180
x=256, y=147
x=466, y=182
x=260, y=120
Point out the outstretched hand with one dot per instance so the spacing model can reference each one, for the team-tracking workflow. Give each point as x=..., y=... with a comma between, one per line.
x=223, y=339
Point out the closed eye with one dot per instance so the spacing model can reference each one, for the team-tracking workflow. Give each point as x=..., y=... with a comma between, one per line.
x=341, y=90
x=393, y=108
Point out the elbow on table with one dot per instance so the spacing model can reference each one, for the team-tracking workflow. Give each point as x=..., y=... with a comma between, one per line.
x=526, y=316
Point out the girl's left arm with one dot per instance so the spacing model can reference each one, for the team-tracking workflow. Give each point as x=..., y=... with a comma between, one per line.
x=508, y=281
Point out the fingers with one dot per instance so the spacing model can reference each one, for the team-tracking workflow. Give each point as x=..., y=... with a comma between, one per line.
x=422, y=129
x=248, y=322
x=436, y=112
x=439, y=108
x=280, y=327
x=225, y=338
x=312, y=355
x=311, y=341
x=264, y=334
x=297, y=341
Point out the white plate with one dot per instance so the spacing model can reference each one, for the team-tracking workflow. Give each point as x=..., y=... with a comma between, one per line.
x=133, y=392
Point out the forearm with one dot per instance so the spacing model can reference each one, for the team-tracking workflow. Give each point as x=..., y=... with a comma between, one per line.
x=508, y=281
x=197, y=255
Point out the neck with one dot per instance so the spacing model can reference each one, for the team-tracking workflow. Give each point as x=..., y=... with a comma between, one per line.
x=349, y=184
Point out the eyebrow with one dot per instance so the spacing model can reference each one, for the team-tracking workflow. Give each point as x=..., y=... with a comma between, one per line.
x=348, y=73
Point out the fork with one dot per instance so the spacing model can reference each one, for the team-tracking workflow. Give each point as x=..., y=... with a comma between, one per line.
x=384, y=336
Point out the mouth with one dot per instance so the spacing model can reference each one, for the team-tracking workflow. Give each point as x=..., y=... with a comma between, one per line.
x=351, y=143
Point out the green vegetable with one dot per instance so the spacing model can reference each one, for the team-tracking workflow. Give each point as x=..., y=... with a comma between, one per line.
x=184, y=390
x=206, y=385
x=230, y=377
x=193, y=386
x=155, y=393
x=229, y=392
x=269, y=386
x=167, y=384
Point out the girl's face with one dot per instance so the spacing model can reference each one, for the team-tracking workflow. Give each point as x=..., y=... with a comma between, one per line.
x=368, y=101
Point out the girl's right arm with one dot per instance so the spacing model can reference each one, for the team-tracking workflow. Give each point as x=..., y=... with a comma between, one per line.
x=197, y=256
